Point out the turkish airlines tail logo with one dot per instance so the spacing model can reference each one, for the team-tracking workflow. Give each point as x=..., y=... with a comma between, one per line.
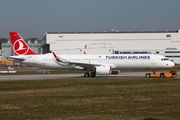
x=19, y=45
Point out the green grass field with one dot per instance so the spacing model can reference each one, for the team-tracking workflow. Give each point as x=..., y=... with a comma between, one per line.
x=91, y=99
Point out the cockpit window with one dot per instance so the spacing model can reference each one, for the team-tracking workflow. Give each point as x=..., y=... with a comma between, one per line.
x=164, y=59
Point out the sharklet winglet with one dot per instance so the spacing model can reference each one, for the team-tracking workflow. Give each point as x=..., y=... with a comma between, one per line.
x=55, y=56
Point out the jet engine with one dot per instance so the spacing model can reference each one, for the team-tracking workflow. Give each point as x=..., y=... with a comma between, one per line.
x=103, y=70
x=115, y=72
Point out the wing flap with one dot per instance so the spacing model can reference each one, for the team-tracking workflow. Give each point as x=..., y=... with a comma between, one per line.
x=91, y=64
x=84, y=64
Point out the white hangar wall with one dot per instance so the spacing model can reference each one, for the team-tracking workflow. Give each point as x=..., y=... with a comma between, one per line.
x=103, y=42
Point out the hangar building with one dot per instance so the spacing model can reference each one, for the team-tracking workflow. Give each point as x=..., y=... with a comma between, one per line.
x=166, y=43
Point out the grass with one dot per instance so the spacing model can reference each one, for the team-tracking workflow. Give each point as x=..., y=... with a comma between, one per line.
x=98, y=98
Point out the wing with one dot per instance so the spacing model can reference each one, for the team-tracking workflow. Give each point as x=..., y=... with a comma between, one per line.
x=84, y=64
x=61, y=60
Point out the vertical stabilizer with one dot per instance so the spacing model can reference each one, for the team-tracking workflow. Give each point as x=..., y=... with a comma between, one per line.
x=19, y=45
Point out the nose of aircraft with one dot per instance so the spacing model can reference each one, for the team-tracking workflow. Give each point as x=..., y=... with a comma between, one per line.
x=170, y=64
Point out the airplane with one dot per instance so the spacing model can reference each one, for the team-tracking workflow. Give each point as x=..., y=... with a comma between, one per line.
x=96, y=64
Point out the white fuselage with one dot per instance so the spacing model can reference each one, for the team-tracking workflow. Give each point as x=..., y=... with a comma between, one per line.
x=118, y=61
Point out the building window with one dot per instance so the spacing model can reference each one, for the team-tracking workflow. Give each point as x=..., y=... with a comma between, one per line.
x=176, y=51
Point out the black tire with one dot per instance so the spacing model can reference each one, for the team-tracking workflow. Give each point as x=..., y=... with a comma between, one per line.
x=93, y=74
x=162, y=75
x=147, y=75
x=86, y=74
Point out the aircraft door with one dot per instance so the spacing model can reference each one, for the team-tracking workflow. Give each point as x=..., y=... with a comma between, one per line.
x=153, y=60
x=34, y=60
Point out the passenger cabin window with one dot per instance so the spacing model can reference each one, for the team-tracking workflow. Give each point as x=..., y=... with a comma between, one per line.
x=143, y=52
x=126, y=52
x=116, y=52
x=135, y=52
x=168, y=35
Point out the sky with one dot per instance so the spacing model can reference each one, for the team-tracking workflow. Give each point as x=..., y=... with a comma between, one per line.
x=33, y=18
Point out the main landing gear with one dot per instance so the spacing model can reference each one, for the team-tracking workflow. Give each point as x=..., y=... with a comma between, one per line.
x=93, y=74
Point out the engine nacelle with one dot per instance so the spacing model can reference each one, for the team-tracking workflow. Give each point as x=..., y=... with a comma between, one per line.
x=115, y=72
x=105, y=70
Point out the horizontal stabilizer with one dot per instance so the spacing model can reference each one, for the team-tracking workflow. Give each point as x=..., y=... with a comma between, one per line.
x=18, y=58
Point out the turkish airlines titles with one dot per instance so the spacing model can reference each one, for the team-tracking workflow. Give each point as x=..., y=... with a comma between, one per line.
x=128, y=57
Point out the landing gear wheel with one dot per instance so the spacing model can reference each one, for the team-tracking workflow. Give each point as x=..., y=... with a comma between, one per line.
x=86, y=74
x=93, y=74
x=162, y=75
x=147, y=75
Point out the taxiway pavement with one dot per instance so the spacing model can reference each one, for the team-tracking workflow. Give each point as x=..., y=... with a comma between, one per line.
x=60, y=76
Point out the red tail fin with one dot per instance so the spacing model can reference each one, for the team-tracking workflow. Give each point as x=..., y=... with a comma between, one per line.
x=19, y=45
